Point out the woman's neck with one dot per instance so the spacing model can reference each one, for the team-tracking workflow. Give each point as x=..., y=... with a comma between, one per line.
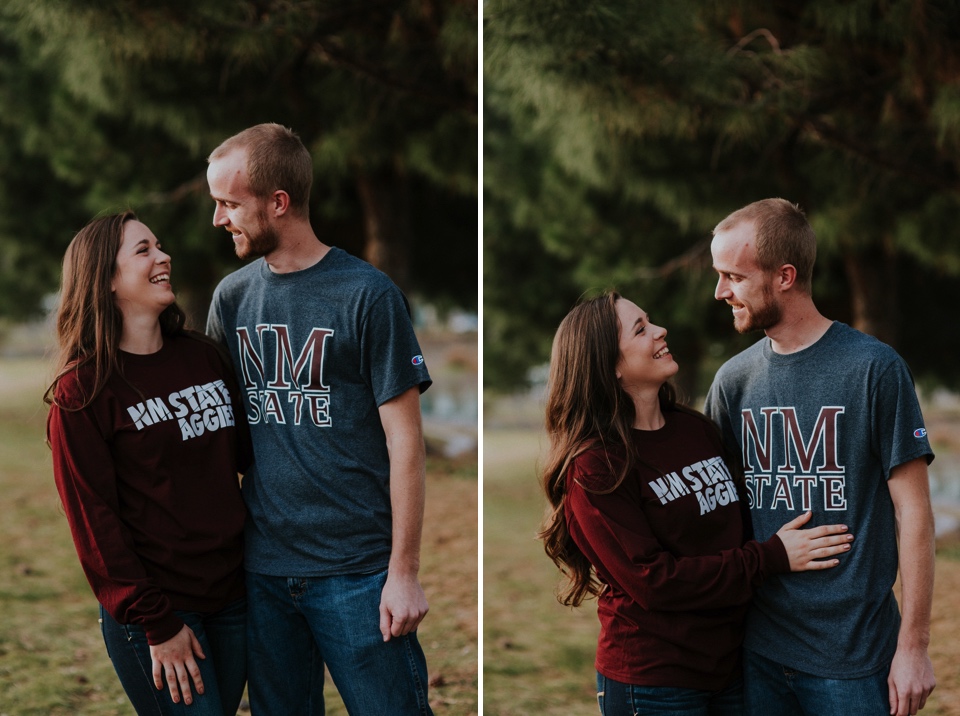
x=141, y=335
x=648, y=416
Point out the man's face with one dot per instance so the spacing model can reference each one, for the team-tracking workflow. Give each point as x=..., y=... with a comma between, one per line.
x=238, y=210
x=742, y=283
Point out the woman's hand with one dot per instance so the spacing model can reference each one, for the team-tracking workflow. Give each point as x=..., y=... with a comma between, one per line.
x=175, y=658
x=808, y=548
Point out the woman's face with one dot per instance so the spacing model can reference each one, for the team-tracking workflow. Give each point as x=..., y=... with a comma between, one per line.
x=141, y=281
x=645, y=361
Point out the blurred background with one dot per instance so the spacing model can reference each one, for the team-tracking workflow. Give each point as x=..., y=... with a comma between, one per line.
x=616, y=135
x=116, y=104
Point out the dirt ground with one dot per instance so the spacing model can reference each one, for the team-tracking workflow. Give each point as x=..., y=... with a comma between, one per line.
x=943, y=424
x=529, y=661
x=945, y=629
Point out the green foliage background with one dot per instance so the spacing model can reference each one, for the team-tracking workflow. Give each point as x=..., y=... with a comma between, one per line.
x=117, y=103
x=617, y=134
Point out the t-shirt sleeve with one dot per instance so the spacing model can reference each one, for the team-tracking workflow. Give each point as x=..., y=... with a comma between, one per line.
x=214, y=323
x=390, y=355
x=715, y=407
x=86, y=481
x=712, y=406
x=899, y=432
x=613, y=533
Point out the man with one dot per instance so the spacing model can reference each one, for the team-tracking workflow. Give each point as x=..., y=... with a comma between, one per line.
x=331, y=371
x=827, y=420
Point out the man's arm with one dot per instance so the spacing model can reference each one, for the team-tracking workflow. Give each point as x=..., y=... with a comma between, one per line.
x=911, y=673
x=402, y=603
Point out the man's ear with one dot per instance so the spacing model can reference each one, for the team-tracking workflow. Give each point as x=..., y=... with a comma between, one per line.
x=281, y=202
x=786, y=277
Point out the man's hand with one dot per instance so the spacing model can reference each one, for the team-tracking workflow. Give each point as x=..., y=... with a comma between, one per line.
x=402, y=602
x=910, y=682
x=403, y=606
x=911, y=673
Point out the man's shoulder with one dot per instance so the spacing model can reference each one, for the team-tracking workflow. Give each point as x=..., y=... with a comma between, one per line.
x=354, y=269
x=742, y=361
x=860, y=351
x=240, y=279
x=368, y=290
x=862, y=343
x=343, y=273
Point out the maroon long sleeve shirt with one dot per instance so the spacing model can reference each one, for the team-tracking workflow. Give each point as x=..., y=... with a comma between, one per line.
x=669, y=543
x=148, y=478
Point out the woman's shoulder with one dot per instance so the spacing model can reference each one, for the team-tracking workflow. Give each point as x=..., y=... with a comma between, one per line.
x=75, y=385
x=188, y=339
x=598, y=467
x=686, y=418
x=199, y=344
x=200, y=349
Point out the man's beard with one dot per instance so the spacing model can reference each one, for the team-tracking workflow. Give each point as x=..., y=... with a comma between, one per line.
x=763, y=317
x=265, y=241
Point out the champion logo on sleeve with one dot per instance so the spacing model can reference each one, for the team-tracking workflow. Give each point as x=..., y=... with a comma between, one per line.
x=920, y=433
x=417, y=360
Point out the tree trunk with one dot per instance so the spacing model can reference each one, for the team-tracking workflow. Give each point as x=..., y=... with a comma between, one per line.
x=387, y=223
x=874, y=291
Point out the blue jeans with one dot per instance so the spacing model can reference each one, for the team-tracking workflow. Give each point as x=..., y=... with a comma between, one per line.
x=774, y=688
x=222, y=636
x=298, y=624
x=619, y=699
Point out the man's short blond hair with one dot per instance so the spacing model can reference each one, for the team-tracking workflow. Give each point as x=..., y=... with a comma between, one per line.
x=276, y=160
x=783, y=236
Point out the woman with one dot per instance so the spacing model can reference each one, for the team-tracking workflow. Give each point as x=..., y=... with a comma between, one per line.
x=146, y=429
x=648, y=517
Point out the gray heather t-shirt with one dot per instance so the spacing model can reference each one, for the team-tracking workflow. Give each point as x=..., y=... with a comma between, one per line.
x=317, y=352
x=821, y=429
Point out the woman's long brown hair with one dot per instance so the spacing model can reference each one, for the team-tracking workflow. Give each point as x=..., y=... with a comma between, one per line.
x=586, y=407
x=89, y=323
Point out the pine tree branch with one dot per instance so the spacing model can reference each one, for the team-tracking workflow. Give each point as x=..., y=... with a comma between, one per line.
x=337, y=56
x=193, y=186
x=691, y=257
x=747, y=39
x=830, y=135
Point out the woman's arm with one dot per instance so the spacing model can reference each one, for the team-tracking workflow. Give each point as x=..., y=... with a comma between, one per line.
x=615, y=535
x=86, y=480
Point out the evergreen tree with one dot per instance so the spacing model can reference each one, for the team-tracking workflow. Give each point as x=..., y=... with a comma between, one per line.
x=666, y=117
x=117, y=103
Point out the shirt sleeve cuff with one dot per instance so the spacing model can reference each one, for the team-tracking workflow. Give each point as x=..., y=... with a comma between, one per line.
x=163, y=629
x=775, y=556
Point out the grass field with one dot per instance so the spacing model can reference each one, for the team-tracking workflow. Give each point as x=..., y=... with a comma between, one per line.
x=538, y=655
x=52, y=660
